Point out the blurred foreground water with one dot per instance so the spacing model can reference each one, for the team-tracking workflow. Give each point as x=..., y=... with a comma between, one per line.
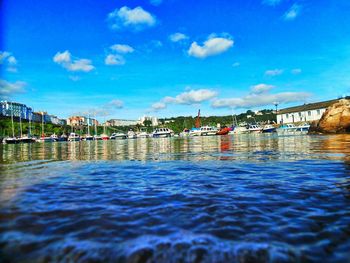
x=244, y=198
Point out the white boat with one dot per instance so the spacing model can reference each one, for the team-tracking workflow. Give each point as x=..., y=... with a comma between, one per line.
x=239, y=130
x=10, y=140
x=88, y=137
x=26, y=139
x=54, y=137
x=302, y=128
x=268, y=128
x=162, y=132
x=286, y=129
x=142, y=134
x=131, y=134
x=185, y=133
x=73, y=137
x=203, y=131
x=45, y=139
x=97, y=137
x=253, y=128
x=118, y=135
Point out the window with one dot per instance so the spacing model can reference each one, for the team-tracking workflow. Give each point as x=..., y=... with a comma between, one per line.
x=318, y=112
x=287, y=115
x=309, y=113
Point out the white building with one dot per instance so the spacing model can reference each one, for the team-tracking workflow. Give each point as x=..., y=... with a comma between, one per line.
x=16, y=109
x=121, y=122
x=304, y=113
x=154, y=120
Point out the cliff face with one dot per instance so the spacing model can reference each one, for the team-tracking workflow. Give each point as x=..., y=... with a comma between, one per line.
x=336, y=119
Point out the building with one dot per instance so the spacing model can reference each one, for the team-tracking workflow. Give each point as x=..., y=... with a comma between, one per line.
x=154, y=120
x=304, y=113
x=16, y=109
x=121, y=122
x=81, y=121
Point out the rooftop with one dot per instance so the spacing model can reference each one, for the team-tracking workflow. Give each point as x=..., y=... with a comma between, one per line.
x=310, y=106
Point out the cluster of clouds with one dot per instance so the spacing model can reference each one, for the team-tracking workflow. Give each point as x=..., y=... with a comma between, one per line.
x=292, y=13
x=9, y=88
x=65, y=60
x=277, y=72
x=259, y=95
x=8, y=60
x=115, y=57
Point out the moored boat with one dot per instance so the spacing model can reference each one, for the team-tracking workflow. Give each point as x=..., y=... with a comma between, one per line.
x=10, y=140
x=224, y=131
x=302, y=128
x=73, y=137
x=26, y=139
x=131, y=134
x=118, y=136
x=162, y=132
x=286, y=129
x=254, y=128
x=268, y=128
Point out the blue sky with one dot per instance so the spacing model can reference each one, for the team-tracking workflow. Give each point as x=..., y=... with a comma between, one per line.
x=124, y=59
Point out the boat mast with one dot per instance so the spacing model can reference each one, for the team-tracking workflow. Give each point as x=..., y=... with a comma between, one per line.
x=30, y=129
x=20, y=124
x=198, y=120
x=88, y=123
x=42, y=125
x=95, y=126
x=13, y=127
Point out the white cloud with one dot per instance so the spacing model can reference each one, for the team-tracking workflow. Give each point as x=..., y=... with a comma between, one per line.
x=271, y=2
x=7, y=88
x=261, y=88
x=65, y=60
x=114, y=59
x=296, y=71
x=124, y=49
x=136, y=18
x=176, y=37
x=273, y=72
x=118, y=104
x=292, y=13
x=9, y=61
x=158, y=106
x=192, y=97
x=260, y=96
x=212, y=46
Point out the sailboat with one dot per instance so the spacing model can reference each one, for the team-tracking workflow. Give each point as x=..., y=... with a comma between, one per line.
x=26, y=138
x=13, y=139
x=44, y=138
x=88, y=136
x=202, y=130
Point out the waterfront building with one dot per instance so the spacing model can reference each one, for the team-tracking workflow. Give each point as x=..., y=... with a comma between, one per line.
x=121, y=122
x=304, y=113
x=81, y=121
x=17, y=109
x=154, y=120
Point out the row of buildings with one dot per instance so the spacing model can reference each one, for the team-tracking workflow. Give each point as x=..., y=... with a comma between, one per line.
x=19, y=110
x=303, y=113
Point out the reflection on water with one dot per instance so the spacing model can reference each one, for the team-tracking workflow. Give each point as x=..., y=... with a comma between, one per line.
x=196, y=148
x=249, y=198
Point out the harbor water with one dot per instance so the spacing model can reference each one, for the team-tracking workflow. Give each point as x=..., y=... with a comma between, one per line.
x=242, y=198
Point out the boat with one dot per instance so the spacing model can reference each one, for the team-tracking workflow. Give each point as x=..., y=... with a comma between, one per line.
x=73, y=137
x=254, y=128
x=88, y=137
x=239, y=130
x=224, y=131
x=104, y=137
x=302, y=128
x=54, y=137
x=142, y=134
x=13, y=139
x=44, y=138
x=203, y=131
x=286, y=129
x=97, y=137
x=10, y=140
x=268, y=128
x=26, y=139
x=131, y=134
x=162, y=132
x=118, y=135
x=63, y=138
x=185, y=133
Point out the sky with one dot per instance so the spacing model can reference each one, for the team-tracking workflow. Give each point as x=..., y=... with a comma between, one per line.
x=127, y=58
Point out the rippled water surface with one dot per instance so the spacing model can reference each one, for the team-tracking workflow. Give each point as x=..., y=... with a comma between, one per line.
x=258, y=198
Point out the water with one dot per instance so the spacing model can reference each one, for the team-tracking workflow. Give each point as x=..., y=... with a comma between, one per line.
x=245, y=198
